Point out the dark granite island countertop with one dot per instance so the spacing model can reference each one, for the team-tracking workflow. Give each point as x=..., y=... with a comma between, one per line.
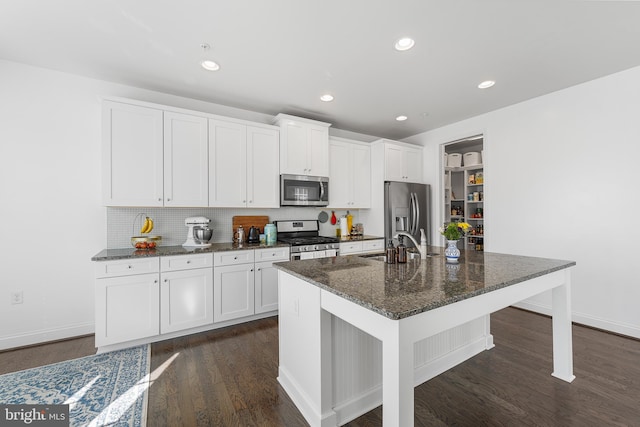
x=341, y=318
x=397, y=291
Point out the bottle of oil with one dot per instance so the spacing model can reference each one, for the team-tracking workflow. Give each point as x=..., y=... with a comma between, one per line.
x=402, y=251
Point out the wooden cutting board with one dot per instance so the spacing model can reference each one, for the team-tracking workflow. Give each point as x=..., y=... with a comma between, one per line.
x=248, y=221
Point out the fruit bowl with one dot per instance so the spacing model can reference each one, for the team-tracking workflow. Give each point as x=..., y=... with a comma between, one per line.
x=145, y=242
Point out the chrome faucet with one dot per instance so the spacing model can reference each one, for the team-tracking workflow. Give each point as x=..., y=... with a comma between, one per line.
x=421, y=249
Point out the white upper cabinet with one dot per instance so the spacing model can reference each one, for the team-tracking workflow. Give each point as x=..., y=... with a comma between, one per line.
x=155, y=155
x=349, y=174
x=402, y=163
x=243, y=165
x=304, y=146
x=227, y=164
x=263, y=167
x=185, y=160
x=132, y=153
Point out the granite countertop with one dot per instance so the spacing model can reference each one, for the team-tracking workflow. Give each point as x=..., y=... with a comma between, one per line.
x=397, y=291
x=131, y=253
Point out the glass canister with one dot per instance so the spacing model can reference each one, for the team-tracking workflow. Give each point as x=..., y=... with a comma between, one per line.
x=270, y=233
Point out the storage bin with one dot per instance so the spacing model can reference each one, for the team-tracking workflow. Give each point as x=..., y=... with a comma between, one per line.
x=472, y=159
x=454, y=160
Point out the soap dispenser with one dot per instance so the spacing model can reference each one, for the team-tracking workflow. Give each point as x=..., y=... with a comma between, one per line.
x=423, y=244
x=390, y=253
x=402, y=251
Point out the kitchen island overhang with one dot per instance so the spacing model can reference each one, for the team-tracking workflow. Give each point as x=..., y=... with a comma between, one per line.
x=400, y=305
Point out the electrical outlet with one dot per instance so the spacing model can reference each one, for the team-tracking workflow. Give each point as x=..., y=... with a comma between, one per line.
x=17, y=297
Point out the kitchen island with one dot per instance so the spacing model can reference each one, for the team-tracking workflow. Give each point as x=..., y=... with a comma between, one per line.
x=347, y=320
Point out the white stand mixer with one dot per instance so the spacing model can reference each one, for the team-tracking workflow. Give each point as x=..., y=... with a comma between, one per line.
x=195, y=222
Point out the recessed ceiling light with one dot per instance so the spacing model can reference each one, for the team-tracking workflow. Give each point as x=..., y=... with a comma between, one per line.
x=486, y=84
x=404, y=43
x=326, y=97
x=210, y=65
x=401, y=118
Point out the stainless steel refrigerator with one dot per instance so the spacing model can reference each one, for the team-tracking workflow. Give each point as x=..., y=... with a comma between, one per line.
x=406, y=208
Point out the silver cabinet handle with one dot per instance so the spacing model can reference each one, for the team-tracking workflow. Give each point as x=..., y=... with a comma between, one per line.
x=129, y=267
x=235, y=257
x=188, y=261
x=155, y=281
x=159, y=199
x=251, y=270
x=166, y=280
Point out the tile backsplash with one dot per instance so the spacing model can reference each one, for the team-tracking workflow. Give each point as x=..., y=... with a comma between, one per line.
x=122, y=223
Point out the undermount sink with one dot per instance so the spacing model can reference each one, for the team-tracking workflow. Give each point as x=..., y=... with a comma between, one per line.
x=410, y=255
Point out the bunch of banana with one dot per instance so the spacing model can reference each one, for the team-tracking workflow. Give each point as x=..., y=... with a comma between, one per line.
x=147, y=226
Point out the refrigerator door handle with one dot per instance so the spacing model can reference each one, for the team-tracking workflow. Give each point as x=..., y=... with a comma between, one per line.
x=413, y=212
x=416, y=217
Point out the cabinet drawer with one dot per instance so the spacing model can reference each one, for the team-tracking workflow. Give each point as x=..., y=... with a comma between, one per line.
x=350, y=248
x=127, y=267
x=373, y=245
x=186, y=262
x=232, y=257
x=274, y=254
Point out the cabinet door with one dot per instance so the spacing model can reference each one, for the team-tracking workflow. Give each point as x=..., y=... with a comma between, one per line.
x=413, y=165
x=340, y=186
x=263, y=179
x=186, y=163
x=361, y=176
x=293, y=149
x=186, y=299
x=266, y=292
x=349, y=248
x=227, y=164
x=127, y=308
x=233, y=292
x=318, y=151
x=131, y=155
x=393, y=163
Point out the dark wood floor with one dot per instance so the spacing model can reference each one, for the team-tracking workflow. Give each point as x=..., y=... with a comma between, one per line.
x=228, y=378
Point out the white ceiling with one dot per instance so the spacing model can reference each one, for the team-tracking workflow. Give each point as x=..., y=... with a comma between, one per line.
x=281, y=55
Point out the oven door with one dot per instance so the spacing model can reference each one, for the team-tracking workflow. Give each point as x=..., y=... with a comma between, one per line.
x=301, y=190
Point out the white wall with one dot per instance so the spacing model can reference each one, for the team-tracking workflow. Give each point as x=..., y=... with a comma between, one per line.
x=561, y=174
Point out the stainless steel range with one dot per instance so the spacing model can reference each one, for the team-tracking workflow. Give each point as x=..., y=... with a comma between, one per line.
x=305, y=240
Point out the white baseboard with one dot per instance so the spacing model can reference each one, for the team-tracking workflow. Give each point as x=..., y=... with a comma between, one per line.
x=587, y=320
x=303, y=402
x=46, y=335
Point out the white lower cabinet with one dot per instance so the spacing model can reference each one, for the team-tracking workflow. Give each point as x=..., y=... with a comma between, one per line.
x=242, y=286
x=266, y=291
x=127, y=305
x=362, y=247
x=150, y=299
x=233, y=292
x=186, y=293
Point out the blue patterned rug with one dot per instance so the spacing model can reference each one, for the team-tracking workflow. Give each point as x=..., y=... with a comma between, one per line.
x=108, y=389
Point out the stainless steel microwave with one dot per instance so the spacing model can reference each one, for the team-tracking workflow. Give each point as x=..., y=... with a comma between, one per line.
x=303, y=190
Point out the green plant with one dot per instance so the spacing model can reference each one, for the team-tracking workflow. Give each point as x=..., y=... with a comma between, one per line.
x=454, y=230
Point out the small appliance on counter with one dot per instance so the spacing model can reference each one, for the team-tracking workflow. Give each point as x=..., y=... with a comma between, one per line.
x=199, y=232
x=254, y=235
